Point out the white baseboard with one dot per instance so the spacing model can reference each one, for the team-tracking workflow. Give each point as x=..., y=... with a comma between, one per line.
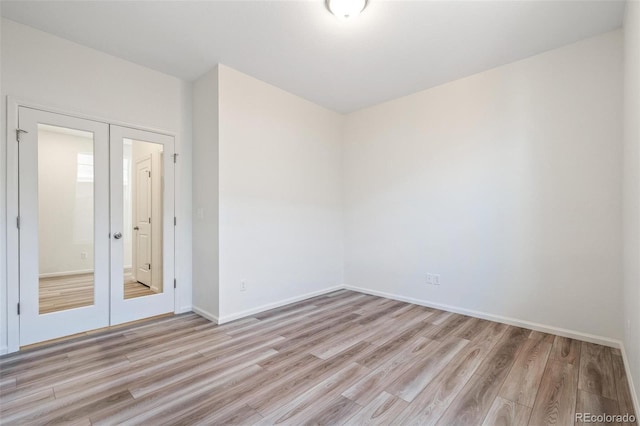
x=62, y=274
x=605, y=341
x=80, y=272
x=184, y=309
x=632, y=387
x=206, y=314
x=257, y=310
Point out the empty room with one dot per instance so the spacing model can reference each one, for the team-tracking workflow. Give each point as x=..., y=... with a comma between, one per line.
x=331, y=212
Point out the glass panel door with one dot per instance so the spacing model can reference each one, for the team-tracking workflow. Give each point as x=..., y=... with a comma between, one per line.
x=64, y=225
x=142, y=212
x=96, y=228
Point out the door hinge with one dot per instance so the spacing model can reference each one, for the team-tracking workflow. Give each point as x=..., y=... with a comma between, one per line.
x=18, y=222
x=149, y=174
x=174, y=283
x=18, y=308
x=18, y=132
x=175, y=221
x=149, y=220
x=149, y=266
x=175, y=158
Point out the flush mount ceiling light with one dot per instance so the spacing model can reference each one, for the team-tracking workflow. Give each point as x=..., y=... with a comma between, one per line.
x=346, y=8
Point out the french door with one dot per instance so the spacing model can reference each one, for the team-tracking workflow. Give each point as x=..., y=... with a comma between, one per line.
x=142, y=206
x=81, y=198
x=64, y=225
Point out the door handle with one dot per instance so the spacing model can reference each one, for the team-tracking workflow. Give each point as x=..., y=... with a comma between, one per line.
x=117, y=235
x=136, y=228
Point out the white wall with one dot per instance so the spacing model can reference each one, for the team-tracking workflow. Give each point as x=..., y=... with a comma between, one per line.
x=280, y=195
x=51, y=71
x=632, y=188
x=205, y=195
x=512, y=178
x=506, y=183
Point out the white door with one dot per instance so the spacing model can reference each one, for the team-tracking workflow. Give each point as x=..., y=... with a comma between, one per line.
x=142, y=212
x=142, y=215
x=63, y=225
x=84, y=187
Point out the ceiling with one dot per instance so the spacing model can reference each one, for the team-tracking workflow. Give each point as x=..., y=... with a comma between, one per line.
x=392, y=49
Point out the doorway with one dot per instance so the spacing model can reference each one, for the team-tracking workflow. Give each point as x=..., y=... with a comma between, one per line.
x=96, y=234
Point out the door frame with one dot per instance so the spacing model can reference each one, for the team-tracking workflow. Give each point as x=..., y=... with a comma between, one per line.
x=13, y=103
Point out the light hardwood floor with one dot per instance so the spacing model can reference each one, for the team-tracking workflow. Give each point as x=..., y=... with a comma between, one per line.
x=342, y=358
x=75, y=291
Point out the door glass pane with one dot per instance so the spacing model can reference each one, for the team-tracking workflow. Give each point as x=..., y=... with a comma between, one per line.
x=143, y=187
x=65, y=215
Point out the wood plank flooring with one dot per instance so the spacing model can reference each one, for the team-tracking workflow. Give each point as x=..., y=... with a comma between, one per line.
x=75, y=291
x=344, y=358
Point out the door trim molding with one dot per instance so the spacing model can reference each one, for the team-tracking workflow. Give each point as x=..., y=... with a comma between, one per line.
x=12, y=208
x=13, y=258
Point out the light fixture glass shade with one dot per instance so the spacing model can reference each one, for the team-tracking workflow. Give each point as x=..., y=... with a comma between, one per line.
x=346, y=8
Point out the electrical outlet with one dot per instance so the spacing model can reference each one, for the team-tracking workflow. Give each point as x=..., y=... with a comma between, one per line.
x=436, y=279
x=83, y=255
x=429, y=278
x=243, y=286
